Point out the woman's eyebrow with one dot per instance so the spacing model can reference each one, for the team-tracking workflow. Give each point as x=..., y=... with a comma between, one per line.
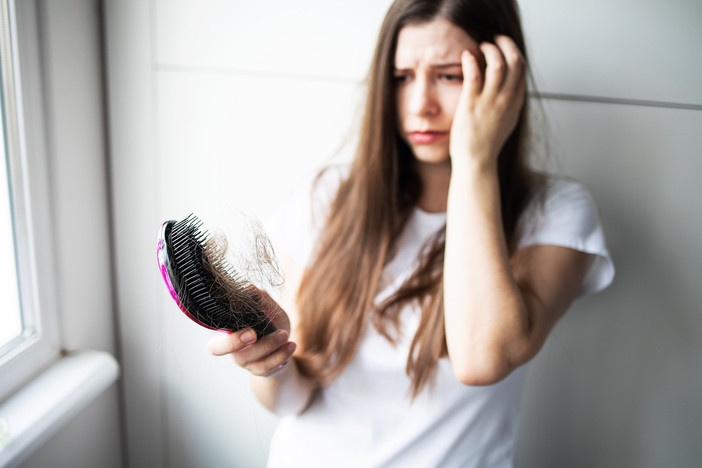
x=438, y=65
x=447, y=65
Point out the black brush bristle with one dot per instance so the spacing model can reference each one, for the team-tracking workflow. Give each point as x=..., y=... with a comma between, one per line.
x=199, y=291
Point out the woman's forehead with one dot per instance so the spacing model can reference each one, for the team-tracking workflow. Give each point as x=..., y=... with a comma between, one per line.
x=437, y=41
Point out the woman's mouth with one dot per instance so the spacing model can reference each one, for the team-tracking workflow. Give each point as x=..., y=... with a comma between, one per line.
x=426, y=137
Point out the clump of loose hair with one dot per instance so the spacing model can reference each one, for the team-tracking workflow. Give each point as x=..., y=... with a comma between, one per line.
x=236, y=288
x=228, y=286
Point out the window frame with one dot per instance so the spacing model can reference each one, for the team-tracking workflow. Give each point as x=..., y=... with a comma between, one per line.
x=23, y=105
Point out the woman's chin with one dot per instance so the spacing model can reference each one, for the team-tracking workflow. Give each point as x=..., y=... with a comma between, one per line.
x=432, y=158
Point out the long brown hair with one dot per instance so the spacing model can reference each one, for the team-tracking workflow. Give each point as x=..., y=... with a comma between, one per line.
x=335, y=298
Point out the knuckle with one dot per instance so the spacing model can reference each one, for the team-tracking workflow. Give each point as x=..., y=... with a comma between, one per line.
x=245, y=357
x=471, y=60
x=257, y=369
x=266, y=366
x=240, y=360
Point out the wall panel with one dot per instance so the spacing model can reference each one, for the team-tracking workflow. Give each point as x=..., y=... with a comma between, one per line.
x=317, y=37
x=628, y=49
x=241, y=142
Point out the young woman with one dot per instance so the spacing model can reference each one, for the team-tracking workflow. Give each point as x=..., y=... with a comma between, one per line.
x=430, y=270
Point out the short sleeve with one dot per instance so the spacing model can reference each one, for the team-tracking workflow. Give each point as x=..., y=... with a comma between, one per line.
x=568, y=217
x=295, y=224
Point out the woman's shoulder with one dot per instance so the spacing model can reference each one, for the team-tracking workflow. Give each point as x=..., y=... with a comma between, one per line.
x=559, y=196
x=315, y=190
x=326, y=182
x=558, y=189
x=301, y=215
x=317, y=193
x=565, y=214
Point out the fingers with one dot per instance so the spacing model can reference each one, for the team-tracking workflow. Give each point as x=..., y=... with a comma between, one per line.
x=491, y=99
x=516, y=64
x=495, y=69
x=224, y=343
x=472, y=75
x=266, y=355
x=262, y=357
x=262, y=348
x=505, y=67
x=273, y=363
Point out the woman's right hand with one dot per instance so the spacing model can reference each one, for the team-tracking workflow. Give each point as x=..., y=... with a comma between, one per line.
x=261, y=356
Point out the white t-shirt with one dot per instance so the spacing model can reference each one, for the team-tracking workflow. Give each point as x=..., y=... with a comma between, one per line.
x=366, y=418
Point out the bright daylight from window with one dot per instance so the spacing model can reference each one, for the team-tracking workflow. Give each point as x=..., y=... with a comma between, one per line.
x=10, y=315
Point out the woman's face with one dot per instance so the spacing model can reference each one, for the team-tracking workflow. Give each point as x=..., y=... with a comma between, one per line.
x=429, y=78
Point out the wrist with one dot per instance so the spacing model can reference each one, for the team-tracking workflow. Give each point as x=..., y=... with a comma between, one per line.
x=474, y=165
x=285, y=392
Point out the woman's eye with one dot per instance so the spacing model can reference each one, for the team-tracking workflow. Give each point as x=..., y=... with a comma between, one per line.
x=401, y=78
x=449, y=77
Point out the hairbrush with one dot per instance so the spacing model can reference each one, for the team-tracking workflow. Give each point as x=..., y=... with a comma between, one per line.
x=203, y=284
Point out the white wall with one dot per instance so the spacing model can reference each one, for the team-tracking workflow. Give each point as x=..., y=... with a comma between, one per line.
x=218, y=106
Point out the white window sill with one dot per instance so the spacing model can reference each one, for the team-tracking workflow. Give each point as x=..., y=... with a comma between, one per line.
x=35, y=413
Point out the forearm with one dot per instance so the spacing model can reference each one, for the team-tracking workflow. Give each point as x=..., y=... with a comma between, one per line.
x=486, y=319
x=287, y=392
x=498, y=310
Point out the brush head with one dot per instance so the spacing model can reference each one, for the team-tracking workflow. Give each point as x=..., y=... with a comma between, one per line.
x=202, y=283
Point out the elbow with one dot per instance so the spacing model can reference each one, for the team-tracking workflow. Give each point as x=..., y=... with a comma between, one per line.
x=488, y=369
x=482, y=375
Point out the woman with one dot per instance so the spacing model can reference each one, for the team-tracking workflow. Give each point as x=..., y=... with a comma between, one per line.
x=433, y=268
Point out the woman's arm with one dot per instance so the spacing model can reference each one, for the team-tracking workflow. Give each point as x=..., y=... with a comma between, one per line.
x=275, y=379
x=498, y=310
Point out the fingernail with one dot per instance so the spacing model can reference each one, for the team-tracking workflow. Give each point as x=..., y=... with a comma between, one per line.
x=248, y=337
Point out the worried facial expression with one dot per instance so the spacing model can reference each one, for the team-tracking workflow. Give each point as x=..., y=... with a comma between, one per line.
x=429, y=79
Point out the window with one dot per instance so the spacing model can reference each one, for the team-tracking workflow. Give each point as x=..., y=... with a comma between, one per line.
x=50, y=120
x=10, y=314
x=28, y=325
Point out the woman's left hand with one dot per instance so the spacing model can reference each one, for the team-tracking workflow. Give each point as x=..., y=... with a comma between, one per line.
x=489, y=106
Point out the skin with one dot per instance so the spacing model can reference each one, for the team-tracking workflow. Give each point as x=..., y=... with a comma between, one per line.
x=269, y=359
x=498, y=309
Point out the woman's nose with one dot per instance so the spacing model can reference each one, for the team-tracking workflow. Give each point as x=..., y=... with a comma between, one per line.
x=423, y=100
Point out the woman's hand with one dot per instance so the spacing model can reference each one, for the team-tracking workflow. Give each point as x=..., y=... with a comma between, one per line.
x=489, y=106
x=264, y=356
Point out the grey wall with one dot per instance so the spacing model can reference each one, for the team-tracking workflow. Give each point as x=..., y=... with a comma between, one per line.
x=211, y=106
x=619, y=382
